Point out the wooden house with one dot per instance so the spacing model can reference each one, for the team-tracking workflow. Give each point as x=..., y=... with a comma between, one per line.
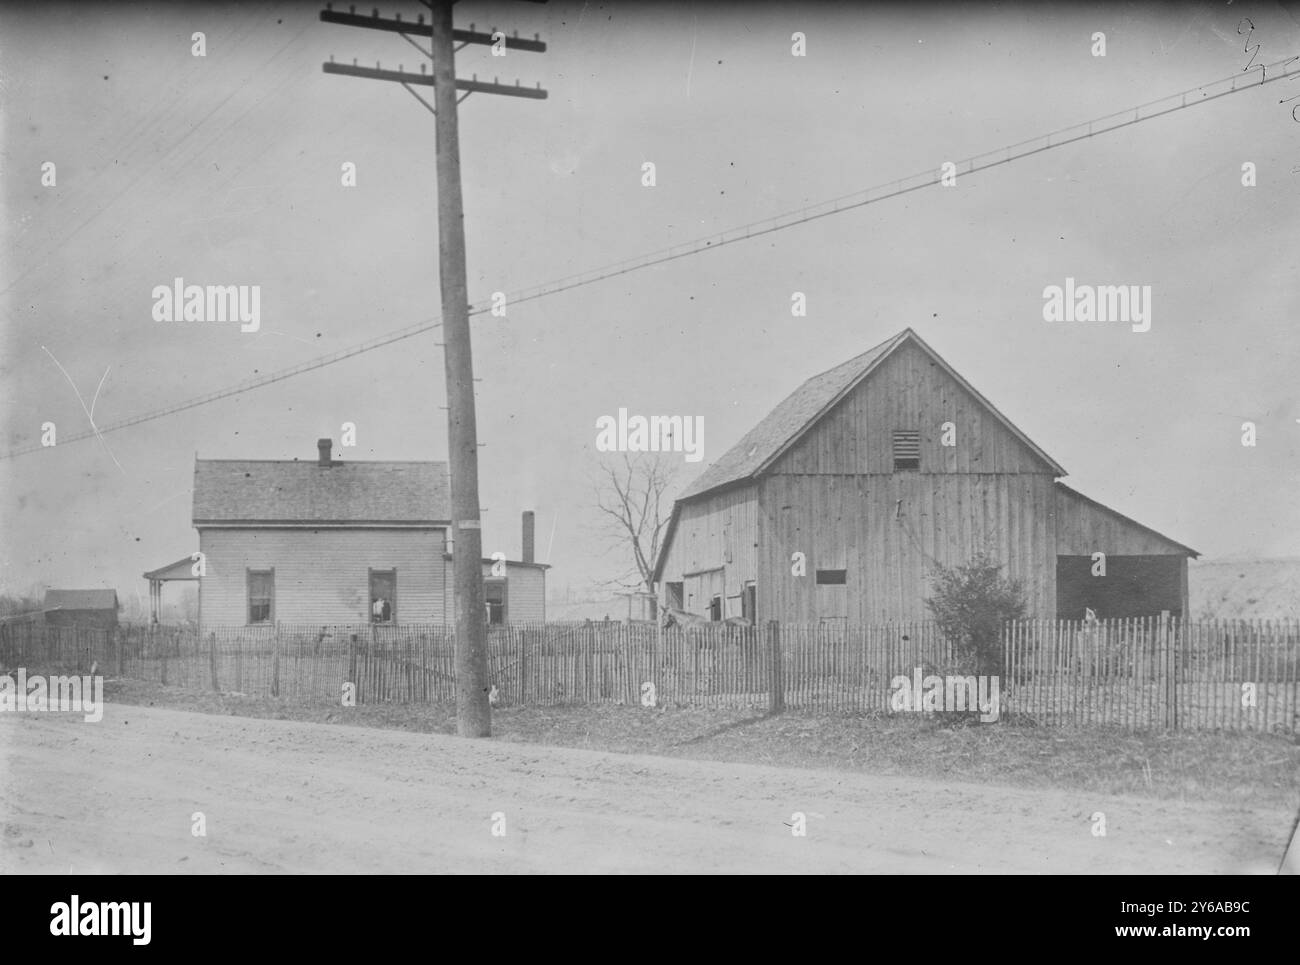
x=877, y=470
x=95, y=609
x=328, y=541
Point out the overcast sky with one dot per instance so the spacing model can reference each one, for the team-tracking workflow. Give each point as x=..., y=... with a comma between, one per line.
x=226, y=169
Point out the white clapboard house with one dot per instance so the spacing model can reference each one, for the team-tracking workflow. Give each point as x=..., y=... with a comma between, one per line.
x=329, y=541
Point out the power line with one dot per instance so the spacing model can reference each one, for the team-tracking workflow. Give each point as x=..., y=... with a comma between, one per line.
x=1289, y=67
x=132, y=142
x=42, y=259
x=245, y=386
x=924, y=179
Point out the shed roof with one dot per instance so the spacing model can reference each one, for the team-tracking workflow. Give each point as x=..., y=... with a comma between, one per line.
x=182, y=569
x=230, y=491
x=1177, y=547
x=81, y=600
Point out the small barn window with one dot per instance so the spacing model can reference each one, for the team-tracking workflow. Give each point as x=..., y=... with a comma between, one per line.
x=907, y=449
x=383, y=596
x=261, y=596
x=832, y=577
x=495, y=594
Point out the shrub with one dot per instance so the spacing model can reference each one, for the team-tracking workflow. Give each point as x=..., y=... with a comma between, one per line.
x=971, y=603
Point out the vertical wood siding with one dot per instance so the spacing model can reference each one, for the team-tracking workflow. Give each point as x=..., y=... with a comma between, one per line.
x=716, y=532
x=1082, y=529
x=835, y=497
x=909, y=391
x=888, y=549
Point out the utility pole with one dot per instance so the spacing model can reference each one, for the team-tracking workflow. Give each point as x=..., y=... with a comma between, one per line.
x=473, y=712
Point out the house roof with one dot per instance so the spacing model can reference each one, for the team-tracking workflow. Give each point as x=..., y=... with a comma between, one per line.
x=81, y=600
x=488, y=561
x=800, y=410
x=230, y=491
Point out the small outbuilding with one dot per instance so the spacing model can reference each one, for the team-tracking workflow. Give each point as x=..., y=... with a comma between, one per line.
x=94, y=609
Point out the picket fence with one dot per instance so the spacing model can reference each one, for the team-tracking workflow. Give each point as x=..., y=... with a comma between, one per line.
x=1157, y=673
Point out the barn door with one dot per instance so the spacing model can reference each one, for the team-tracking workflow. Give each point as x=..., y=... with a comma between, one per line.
x=701, y=588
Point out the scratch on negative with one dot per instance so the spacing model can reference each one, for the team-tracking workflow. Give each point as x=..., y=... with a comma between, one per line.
x=690, y=69
x=90, y=413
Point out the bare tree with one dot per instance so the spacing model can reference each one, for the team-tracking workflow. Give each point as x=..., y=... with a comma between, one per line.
x=632, y=496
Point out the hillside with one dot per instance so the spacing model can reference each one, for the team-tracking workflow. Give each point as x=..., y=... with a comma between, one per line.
x=1245, y=588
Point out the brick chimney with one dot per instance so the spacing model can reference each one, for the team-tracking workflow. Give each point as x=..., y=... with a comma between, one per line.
x=528, y=552
x=323, y=447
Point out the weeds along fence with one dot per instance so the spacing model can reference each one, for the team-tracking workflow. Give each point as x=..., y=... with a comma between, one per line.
x=1138, y=674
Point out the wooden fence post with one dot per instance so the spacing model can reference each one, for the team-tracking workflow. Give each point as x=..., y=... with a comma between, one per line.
x=212, y=660
x=275, y=662
x=1168, y=645
x=352, y=667
x=776, y=703
x=523, y=665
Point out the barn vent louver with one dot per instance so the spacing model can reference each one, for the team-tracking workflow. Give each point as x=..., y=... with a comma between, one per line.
x=907, y=449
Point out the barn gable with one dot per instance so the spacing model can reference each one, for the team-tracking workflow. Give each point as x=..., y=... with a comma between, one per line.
x=786, y=422
x=909, y=391
x=832, y=407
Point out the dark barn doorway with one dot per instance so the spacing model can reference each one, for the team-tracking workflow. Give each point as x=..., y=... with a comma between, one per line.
x=1134, y=586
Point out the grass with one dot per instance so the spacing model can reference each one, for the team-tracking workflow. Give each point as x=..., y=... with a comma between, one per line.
x=1258, y=770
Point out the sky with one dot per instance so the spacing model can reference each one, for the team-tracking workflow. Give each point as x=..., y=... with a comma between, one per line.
x=225, y=169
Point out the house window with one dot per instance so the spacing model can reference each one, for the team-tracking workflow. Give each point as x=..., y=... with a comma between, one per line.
x=715, y=609
x=907, y=449
x=676, y=595
x=749, y=603
x=494, y=593
x=832, y=577
x=383, y=596
x=261, y=596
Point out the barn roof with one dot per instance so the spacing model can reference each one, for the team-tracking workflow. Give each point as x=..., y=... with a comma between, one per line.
x=81, y=600
x=239, y=491
x=1177, y=547
x=800, y=410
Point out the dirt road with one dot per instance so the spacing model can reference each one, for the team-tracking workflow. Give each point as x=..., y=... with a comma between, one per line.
x=277, y=796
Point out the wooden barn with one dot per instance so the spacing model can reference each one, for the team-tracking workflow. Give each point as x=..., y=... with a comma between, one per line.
x=327, y=541
x=95, y=609
x=877, y=470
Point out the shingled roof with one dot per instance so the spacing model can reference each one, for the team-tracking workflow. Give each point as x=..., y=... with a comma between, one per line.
x=786, y=421
x=271, y=491
x=802, y=408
